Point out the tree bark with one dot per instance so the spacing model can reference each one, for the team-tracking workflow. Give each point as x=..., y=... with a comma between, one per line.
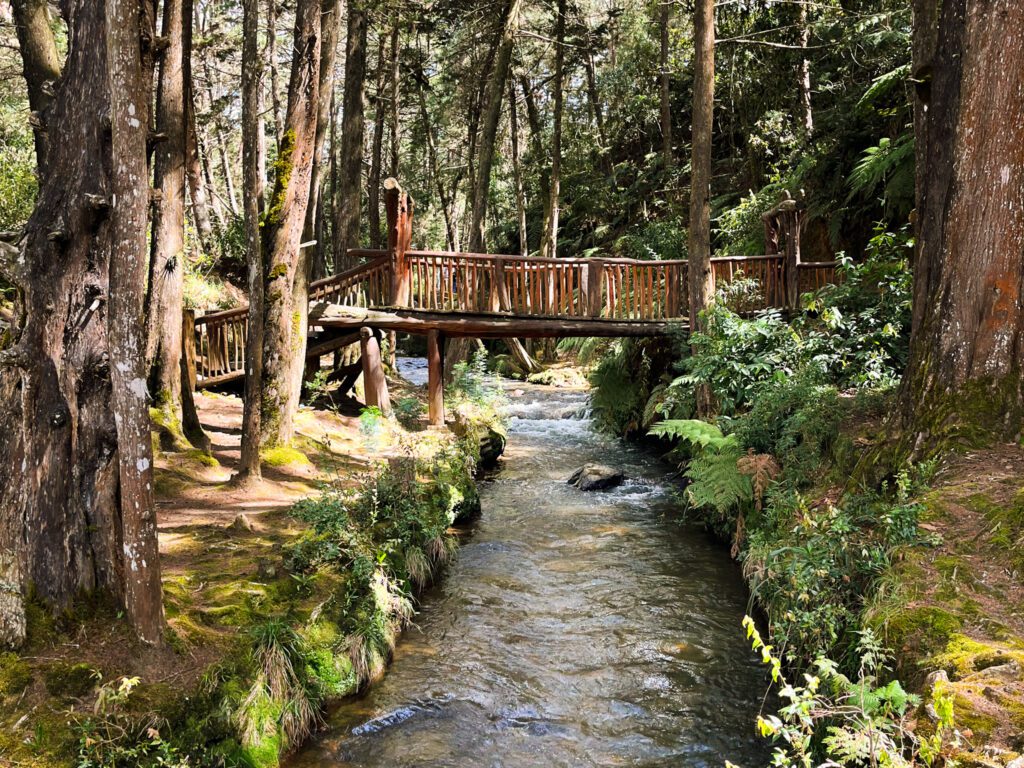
x=41, y=65
x=963, y=379
x=71, y=476
x=435, y=172
x=286, y=299
x=275, y=86
x=193, y=162
x=394, y=103
x=252, y=211
x=489, y=129
x=129, y=33
x=330, y=19
x=167, y=245
x=350, y=173
x=666, y=93
x=374, y=180
x=549, y=241
x=805, y=74
x=701, y=278
x=517, y=170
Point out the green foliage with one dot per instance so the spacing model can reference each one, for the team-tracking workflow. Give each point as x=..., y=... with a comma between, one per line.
x=18, y=185
x=866, y=717
x=472, y=382
x=408, y=411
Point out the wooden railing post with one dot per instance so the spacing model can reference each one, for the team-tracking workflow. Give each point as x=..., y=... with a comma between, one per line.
x=188, y=348
x=595, y=285
x=672, y=290
x=790, y=216
x=398, y=208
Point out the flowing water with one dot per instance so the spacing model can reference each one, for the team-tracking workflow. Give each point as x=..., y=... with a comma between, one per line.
x=575, y=629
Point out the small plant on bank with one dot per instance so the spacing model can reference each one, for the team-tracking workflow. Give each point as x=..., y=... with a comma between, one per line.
x=408, y=411
x=866, y=718
x=371, y=425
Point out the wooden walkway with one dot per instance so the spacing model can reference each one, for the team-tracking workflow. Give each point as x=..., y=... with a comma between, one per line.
x=446, y=294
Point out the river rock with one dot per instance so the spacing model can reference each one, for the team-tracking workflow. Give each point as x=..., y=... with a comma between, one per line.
x=596, y=477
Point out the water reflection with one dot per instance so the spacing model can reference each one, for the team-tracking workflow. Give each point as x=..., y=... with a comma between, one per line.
x=574, y=629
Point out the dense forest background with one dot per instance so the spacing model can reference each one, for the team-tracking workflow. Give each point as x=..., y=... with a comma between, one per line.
x=812, y=100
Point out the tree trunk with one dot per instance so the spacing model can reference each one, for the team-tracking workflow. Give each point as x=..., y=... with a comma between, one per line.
x=75, y=482
x=666, y=93
x=40, y=63
x=130, y=34
x=549, y=241
x=805, y=74
x=286, y=298
x=517, y=171
x=374, y=180
x=252, y=210
x=330, y=19
x=193, y=162
x=167, y=245
x=348, y=195
x=963, y=379
x=393, y=102
x=275, y=85
x=536, y=141
x=435, y=169
x=491, y=117
x=701, y=278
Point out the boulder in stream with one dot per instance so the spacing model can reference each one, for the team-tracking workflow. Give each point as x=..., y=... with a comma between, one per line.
x=596, y=477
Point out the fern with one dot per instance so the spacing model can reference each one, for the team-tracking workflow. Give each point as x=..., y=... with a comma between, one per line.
x=762, y=469
x=695, y=432
x=716, y=482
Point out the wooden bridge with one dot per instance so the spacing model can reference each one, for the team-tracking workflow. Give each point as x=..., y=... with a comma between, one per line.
x=447, y=294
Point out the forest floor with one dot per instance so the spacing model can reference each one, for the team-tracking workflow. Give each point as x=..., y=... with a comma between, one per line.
x=956, y=607
x=222, y=556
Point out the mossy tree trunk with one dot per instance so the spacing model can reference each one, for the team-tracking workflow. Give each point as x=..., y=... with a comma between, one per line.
x=963, y=381
x=76, y=471
x=40, y=63
x=286, y=301
x=348, y=196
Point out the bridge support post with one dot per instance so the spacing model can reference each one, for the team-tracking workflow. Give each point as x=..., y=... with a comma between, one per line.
x=594, y=278
x=374, y=382
x=435, y=378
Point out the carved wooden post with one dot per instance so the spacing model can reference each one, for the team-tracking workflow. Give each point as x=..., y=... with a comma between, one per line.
x=435, y=378
x=188, y=348
x=595, y=285
x=789, y=218
x=398, y=209
x=374, y=383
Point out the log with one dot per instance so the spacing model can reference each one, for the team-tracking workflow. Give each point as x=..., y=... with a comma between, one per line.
x=491, y=326
x=374, y=382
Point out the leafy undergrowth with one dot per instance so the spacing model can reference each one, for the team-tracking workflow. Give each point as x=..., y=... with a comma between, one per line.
x=273, y=608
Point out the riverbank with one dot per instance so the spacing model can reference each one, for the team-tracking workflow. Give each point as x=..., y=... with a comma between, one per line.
x=278, y=598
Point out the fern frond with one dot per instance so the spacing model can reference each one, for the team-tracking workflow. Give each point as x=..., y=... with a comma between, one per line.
x=695, y=432
x=716, y=482
x=762, y=469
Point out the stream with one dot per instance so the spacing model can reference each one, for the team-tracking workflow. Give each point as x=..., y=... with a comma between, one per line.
x=574, y=629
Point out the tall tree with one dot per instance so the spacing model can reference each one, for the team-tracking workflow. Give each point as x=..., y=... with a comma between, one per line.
x=167, y=245
x=286, y=298
x=253, y=174
x=517, y=169
x=666, y=92
x=549, y=240
x=373, y=181
x=77, y=462
x=350, y=161
x=40, y=63
x=489, y=129
x=967, y=340
x=701, y=279
x=330, y=26
x=198, y=195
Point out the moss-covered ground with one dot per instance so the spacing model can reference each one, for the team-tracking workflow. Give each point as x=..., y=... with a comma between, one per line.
x=258, y=639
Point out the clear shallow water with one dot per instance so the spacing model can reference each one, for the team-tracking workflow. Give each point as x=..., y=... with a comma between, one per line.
x=573, y=630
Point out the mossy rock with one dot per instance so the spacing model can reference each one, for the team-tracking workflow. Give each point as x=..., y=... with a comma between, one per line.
x=284, y=456
x=15, y=674
x=69, y=680
x=964, y=656
x=927, y=628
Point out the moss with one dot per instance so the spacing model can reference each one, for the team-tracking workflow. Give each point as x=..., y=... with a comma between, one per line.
x=964, y=656
x=279, y=270
x=283, y=167
x=967, y=716
x=15, y=674
x=40, y=626
x=202, y=457
x=283, y=456
x=69, y=680
x=926, y=627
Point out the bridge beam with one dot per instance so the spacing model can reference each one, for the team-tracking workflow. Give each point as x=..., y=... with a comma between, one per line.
x=375, y=384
